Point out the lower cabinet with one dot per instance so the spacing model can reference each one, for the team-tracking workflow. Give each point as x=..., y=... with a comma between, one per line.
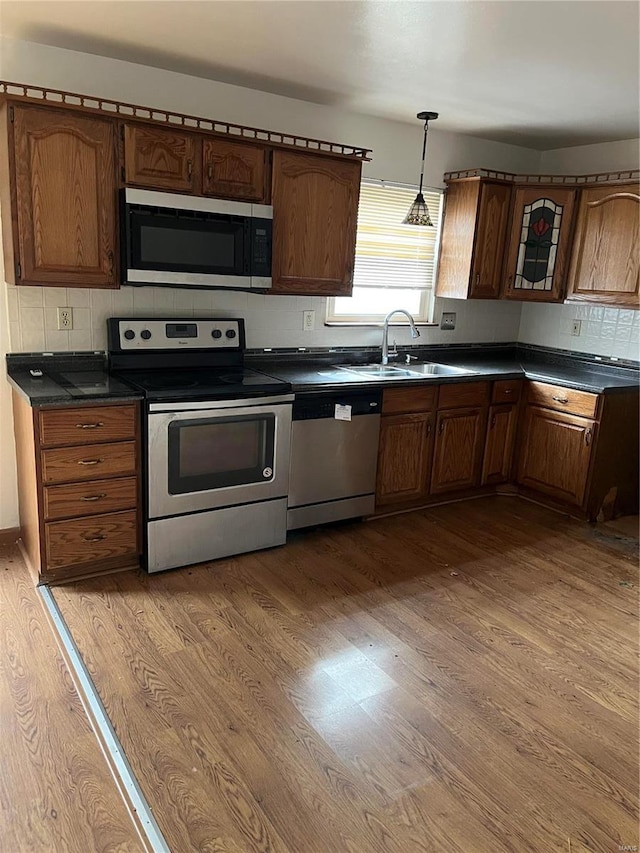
x=556, y=454
x=404, y=458
x=457, y=458
x=499, y=444
x=78, y=488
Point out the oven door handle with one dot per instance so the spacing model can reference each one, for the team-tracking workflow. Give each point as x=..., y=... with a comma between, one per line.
x=220, y=405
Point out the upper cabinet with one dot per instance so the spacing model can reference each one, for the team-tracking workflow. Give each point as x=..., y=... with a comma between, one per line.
x=473, y=238
x=234, y=170
x=315, y=211
x=161, y=159
x=606, y=250
x=63, y=184
x=539, y=243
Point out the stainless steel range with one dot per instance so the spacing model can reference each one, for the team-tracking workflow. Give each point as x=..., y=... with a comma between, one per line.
x=217, y=438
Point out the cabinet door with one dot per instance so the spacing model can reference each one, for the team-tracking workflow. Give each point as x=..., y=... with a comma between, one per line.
x=404, y=458
x=555, y=454
x=66, y=193
x=315, y=211
x=233, y=170
x=161, y=159
x=491, y=231
x=457, y=458
x=538, y=249
x=498, y=449
x=605, y=262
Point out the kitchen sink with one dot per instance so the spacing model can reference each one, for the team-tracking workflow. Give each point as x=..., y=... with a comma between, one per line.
x=384, y=371
x=413, y=371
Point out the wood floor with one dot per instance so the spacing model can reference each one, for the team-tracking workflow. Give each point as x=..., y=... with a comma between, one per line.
x=56, y=793
x=459, y=679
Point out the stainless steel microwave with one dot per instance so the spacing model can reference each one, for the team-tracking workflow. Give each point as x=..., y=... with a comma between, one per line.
x=188, y=241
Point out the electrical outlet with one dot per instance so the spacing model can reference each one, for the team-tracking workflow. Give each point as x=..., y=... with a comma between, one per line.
x=576, y=326
x=308, y=321
x=65, y=318
x=448, y=320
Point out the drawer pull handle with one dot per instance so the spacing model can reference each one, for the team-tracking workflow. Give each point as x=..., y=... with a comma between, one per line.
x=507, y=391
x=493, y=422
x=189, y=169
x=90, y=461
x=94, y=497
x=90, y=426
x=561, y=399
x=210, y=171
x=97, y=538
x=441, y=428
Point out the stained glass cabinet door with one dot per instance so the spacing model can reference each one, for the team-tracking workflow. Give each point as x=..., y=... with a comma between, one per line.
x=538, y=253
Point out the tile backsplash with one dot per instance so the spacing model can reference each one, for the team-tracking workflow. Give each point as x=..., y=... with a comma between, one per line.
x=611, y=332
x=271, y=321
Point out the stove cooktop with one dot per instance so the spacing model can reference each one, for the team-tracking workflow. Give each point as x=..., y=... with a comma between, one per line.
x=203, y=383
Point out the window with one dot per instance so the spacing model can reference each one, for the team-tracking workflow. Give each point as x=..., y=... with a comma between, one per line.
x=395, y=263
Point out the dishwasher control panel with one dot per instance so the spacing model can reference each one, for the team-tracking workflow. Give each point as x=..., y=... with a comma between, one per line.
x=318, y=406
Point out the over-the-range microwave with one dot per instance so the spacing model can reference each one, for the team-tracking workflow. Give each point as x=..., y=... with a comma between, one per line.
x=188, y=241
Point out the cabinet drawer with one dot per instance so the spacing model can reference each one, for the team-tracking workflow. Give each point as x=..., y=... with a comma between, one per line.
x=87, y=540
x=94, y=497
x=506, y=391
x=563, y=399
x=462, y=394
x=397, y=401
x=72, y=464
x=62, y=427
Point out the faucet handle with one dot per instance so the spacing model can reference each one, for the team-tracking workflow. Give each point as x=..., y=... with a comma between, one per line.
x=409, y=358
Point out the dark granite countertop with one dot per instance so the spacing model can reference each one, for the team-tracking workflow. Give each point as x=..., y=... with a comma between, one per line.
x=68, y=379
x=315, y=372
x=76, y=378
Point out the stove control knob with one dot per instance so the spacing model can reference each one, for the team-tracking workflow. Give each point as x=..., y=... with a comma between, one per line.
x=145, y=334
x=129, y=334
x=216, y=334
x=230, y=333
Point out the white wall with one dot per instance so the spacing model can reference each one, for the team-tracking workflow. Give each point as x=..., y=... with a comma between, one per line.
x=589, y=159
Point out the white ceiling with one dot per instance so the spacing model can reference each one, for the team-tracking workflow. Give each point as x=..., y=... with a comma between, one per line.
x=544, y=74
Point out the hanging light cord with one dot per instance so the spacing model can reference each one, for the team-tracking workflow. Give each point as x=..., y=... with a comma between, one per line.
x=424, y=151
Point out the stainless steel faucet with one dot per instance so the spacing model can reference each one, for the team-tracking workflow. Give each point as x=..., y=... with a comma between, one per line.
x=385, y=334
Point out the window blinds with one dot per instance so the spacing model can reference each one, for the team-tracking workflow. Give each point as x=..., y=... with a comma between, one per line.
x=388, y=253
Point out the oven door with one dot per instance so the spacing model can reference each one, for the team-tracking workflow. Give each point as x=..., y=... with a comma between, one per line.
x=207, y=455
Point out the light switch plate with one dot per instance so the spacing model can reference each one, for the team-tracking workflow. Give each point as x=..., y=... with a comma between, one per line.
x=308, y=321
x=576, y=327
x=448, y=320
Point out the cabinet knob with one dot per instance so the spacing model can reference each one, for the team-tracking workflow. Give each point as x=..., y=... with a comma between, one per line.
x=587, y=436
x=441, y=428
x=210, y=171
x=493, y=421
x=428, y=427
x=477, y=278
x=189, y=169
x=111, y=262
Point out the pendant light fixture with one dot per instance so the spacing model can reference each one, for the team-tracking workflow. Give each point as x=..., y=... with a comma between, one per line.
x=419, y=212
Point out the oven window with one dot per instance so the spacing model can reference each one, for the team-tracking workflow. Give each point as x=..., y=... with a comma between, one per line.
x=214, y=245
x=215, y=453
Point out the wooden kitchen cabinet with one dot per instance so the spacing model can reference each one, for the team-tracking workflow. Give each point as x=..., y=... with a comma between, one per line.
x=234, y=170
x=459, y=443
x=162, y=159
x=473, y=239
x=499, y=444
x=78, y=488
x=539, y=243
x=556, y=454
x=605, y=262
x=315, y=210
x=404, y=458
x=59, y=197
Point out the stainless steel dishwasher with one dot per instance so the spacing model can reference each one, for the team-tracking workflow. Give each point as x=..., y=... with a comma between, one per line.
x=333, y=460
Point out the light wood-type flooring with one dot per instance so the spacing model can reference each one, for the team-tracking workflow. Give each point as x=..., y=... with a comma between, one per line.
x=458, y=679
x=56, y=793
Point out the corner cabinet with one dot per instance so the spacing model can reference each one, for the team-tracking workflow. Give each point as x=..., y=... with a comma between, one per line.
x=539, y=243
x=473, y=238
x=605, y=263
x=315, y=211
x=62, y=181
